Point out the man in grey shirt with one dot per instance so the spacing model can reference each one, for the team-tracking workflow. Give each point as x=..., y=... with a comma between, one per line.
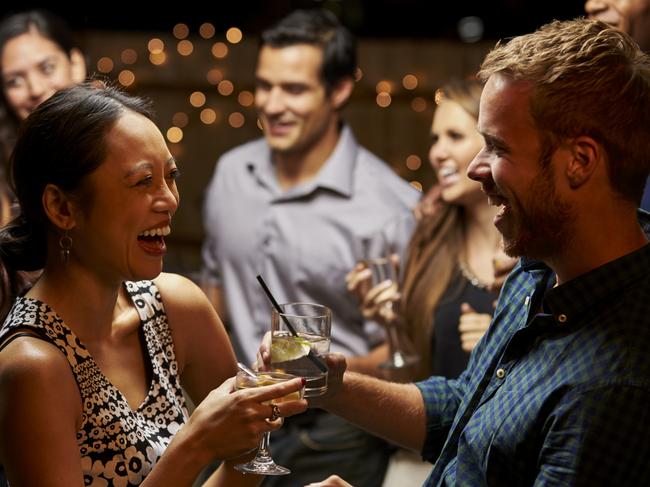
x=296, y=207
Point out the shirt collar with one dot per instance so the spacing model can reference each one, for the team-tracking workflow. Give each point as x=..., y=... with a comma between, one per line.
x=337, y=174
x=582, y=295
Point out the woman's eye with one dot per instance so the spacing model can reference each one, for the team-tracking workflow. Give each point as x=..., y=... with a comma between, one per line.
x=145, y=181
x=12, y=82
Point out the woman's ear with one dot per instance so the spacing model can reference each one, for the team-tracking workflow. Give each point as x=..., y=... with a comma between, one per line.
x=58, y=207
x=77, y=66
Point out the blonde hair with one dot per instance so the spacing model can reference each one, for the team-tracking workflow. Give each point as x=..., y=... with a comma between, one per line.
x=587, y=79
x=433, y=252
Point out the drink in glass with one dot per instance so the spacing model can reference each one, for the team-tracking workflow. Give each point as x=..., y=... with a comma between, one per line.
x=383, y=269
x=300, y=336
x=263, y=464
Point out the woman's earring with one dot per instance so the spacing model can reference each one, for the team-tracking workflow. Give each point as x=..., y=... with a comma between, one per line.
x=65, y=243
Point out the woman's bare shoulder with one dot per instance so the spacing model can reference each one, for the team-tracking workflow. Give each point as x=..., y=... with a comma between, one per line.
x=33, y=369
x=177, y=290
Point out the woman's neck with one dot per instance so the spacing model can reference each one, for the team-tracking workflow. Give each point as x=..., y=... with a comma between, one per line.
x=481, y=241
x=85, y=304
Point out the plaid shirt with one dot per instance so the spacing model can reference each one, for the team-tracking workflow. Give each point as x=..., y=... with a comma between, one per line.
x=558, y=390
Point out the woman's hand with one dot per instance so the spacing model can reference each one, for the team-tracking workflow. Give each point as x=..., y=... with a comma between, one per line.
x=241, y=416
x=472, y=326
x=373, y=300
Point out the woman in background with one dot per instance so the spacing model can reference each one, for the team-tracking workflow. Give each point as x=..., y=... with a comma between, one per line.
x=38, y=56
x=445, y=301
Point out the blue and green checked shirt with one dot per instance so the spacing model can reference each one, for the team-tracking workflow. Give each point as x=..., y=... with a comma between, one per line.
x=558, y=390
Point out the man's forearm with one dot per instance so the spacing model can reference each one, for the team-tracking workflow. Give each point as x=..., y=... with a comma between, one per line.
x=387, y=409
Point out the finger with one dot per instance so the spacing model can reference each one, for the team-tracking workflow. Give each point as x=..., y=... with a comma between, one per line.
x=474, y=322
x=353, y=273
x=227, y=386
x=473, y=327
x=389, y=295
x=358, y=277
x=335, y=360
x=370, y=299
x=264, y=352
x=471, y=338
x=466, y=308
x=274, y=391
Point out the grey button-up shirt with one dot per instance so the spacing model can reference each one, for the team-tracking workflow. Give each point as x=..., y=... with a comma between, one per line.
x=302, y=241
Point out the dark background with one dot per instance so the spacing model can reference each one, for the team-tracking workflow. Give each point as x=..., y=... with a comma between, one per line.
x=367, y=18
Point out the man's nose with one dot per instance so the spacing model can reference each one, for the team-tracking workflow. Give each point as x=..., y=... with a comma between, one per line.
x=479, y=169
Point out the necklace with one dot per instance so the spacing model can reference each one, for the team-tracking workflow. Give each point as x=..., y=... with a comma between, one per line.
x=471, y=277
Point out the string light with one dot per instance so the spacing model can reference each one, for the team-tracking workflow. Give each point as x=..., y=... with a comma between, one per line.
x=234, y=35
x=174, y=134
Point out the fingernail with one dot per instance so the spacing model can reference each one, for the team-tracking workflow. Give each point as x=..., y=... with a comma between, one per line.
x=304, y=381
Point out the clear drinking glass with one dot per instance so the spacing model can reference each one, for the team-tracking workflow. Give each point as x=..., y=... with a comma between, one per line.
x=383, y=269
x=297, y=353
x=263, y=464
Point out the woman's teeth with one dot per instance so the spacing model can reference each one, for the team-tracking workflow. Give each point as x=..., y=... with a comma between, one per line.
x=157, y=232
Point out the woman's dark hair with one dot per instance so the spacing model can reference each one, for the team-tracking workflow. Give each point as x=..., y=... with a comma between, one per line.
x=321, y=28
x=60, y=143
x=49, y=26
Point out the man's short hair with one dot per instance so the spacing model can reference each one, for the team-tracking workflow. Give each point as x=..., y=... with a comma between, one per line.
x=320, y=28
x=587, y=78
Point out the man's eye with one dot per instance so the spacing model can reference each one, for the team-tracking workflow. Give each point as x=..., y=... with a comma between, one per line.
x=174, y=175
x=48, y=68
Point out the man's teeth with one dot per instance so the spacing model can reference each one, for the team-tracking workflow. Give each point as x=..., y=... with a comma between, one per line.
x=157, y=232
x=495, y=200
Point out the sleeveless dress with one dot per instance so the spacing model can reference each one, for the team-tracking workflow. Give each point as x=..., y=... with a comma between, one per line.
x=118, y=446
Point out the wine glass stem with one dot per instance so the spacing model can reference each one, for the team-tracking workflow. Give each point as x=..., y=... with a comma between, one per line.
x=263, y=455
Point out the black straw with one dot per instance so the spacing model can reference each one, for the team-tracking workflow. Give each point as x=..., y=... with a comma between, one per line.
x=311, y=355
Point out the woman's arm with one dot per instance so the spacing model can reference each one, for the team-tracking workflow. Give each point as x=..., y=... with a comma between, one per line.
x=40, y=411
x=224, y=424
x=203, y=351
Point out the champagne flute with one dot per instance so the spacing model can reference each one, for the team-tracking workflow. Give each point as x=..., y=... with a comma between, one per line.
x=263, y=463
x=383, y=269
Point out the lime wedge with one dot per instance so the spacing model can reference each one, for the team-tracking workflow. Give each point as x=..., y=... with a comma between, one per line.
x=284, y=349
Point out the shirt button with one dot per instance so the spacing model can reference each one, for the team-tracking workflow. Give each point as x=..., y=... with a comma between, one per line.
x=561, y=318
x=527, y=300
x=501, y=373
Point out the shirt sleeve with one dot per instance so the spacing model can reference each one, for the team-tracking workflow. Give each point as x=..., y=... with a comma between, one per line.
x=598, y=437
x=442, y=398
x=210, y=273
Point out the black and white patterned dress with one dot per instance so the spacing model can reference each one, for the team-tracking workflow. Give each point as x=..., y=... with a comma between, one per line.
x=118, y=446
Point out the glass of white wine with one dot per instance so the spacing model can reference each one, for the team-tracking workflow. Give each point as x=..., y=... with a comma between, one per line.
x=263, y=463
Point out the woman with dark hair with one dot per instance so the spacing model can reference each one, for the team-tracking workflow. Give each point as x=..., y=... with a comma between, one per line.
x=93, y=356
x=38, y=56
